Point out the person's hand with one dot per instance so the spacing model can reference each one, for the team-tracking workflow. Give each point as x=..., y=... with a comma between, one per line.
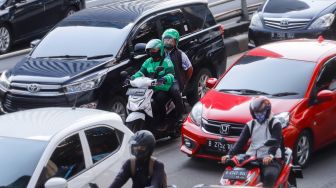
x=267, y=160
x=160, y=81
x=224, y=159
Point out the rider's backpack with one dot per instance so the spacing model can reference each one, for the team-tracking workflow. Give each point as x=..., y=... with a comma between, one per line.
x=150, y=169
x=282, y=144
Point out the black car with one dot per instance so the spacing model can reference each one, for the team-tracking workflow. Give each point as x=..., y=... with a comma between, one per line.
x=22, y=20
x=288, y=19
x=79, y=62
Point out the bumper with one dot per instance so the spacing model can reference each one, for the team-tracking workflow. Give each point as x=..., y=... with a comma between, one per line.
x=262, y=36
x=12, y=102
x=198, y=141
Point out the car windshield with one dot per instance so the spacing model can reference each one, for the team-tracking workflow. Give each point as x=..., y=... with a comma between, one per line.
x=82, y=41
x=18, y=160
x=254, y=75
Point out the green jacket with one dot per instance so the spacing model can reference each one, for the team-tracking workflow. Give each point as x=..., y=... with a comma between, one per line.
x=148, y=69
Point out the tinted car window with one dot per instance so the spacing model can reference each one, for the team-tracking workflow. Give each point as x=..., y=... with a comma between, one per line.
x=18, y=160
x=196, y=15
x=209, y=20
x=146, y=32
x=269, y=75
x=327, y=78
x=82, y=40
x=102, y=141
x=283, y=6
x=175, y=20
x=67, y=160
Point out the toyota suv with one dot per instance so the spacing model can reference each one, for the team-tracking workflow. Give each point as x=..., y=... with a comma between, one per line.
x=78, y=63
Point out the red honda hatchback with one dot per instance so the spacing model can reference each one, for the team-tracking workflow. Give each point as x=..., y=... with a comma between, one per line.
x=298, y=76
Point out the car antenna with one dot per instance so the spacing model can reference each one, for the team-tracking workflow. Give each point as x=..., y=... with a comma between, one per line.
x=74, y=105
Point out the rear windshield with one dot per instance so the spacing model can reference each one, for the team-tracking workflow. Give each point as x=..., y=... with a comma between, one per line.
x=269, y=75
x=283, y=6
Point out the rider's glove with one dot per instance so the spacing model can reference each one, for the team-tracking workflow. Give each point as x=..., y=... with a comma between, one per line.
x=161, y=81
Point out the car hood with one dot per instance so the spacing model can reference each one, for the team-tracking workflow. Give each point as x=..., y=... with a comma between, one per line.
x=51, y=70
x=295, y=8
x=235, y=108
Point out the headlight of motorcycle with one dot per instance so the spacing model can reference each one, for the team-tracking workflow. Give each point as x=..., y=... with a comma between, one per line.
x=4, y=82
x=196, y=113
x=283, y=117
x=88, y=83
x=256, y=20
x=323, y=22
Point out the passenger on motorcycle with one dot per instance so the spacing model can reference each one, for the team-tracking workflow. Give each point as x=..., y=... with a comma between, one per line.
x=182, y=66
x=263, y=127
x=154, y=49
x=143, y=169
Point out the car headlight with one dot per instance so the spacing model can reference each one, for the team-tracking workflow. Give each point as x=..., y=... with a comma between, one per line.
x=283, y=117
x=196, y=113
x=4, y=82
x=256, y=20
x=323, y=22
x=87, y=83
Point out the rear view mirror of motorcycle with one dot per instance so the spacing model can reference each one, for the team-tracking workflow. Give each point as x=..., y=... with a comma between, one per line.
x=271, y=142
x=140, y=49
x=123, y=74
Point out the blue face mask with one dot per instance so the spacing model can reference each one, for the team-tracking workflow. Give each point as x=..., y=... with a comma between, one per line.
x=260, y=117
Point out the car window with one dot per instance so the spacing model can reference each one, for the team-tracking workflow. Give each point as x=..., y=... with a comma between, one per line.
x=146, y=32
x=102, y=142
x=209, y=20
x=175, y=20
x=67, y=160
x=327, y=77
x=196, y=16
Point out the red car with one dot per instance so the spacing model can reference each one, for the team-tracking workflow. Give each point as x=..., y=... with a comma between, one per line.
x=298, y=76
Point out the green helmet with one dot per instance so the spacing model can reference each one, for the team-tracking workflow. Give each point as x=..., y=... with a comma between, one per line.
x=171, y=33
x=155, y=44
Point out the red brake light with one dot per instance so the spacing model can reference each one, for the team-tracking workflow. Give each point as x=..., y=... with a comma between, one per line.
x=221, y=29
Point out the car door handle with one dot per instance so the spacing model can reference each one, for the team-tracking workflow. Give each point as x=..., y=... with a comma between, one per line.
x=93, y=185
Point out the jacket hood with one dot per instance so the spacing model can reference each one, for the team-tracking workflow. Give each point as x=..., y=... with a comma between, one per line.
x=50, y=70
x=235, y=108
x=301, y=9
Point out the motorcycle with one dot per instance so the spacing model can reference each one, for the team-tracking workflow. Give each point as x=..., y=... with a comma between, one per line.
x=140, y=112
x=244, y=170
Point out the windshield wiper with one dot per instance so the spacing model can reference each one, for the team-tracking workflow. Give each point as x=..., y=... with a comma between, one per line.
x=100, y=56
x=66, y=56
x=245, y=91
x=284, y=94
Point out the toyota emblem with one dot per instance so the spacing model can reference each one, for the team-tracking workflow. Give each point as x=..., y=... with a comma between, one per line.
x=284, y=23
x=224, y=129
x=33, y=88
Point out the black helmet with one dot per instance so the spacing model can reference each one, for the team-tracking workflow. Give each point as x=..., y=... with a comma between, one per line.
x=260, y=108
x=142, y=144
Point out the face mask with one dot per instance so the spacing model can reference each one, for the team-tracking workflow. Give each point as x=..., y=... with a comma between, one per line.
x=260, y=117
x=155, y=55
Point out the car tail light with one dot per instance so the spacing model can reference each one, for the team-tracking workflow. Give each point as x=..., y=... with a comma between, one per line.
x=221, y=29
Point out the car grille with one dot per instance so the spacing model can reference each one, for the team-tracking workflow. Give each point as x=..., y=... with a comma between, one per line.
x=13, y=103
x=214, y=127
x=35, y=89
x=286, y=24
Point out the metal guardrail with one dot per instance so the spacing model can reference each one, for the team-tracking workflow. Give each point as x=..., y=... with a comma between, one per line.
x=219, y=2
x=236, y=12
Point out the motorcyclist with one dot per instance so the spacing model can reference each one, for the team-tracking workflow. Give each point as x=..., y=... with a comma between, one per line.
x=182, y=66
x=143, y=169
x=263, y=127
x=154, y=49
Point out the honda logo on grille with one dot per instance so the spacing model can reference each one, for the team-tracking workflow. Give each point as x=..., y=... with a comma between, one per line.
x=284, y=23
x=224, y=129
x=33, y=88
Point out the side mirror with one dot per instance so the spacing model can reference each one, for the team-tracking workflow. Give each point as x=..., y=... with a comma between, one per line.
x=34, y=43
x=56, y=183
x=123, y=74
x=211, y=82
x=271, y=142
x=325, y=95
x=140, y=49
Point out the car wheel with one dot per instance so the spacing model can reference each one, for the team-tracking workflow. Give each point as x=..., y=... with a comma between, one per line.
x=302, y=149
x=198, y=86
x=5, y=39
x=70, y=11
x=118, y=105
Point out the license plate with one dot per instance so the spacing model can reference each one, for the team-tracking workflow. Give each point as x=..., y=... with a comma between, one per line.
x=136, y=91
x=282, y=35
x=235, y=174
x=219, y=145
